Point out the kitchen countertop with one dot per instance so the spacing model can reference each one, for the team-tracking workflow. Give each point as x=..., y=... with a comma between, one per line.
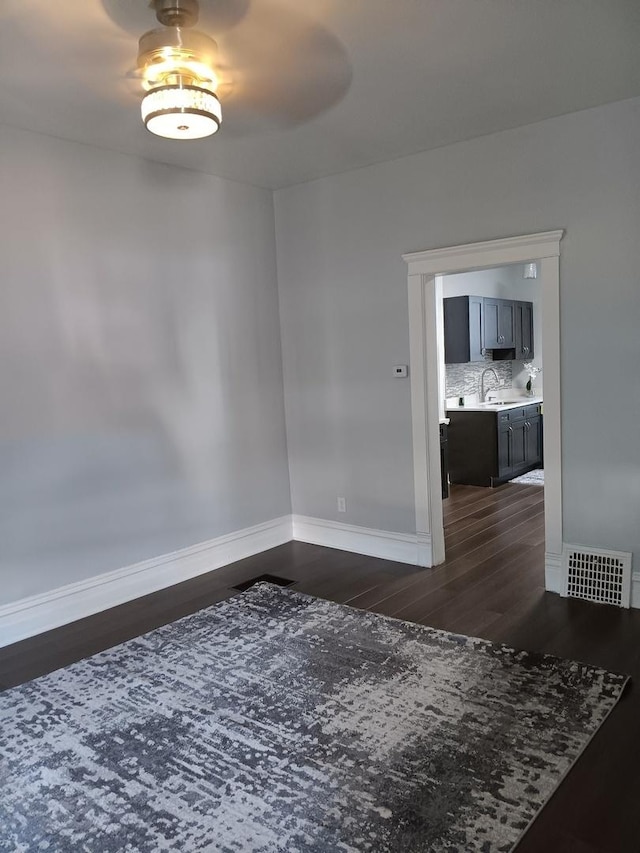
x=497, y=405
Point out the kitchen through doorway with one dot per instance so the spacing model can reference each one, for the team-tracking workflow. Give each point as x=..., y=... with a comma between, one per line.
x=490, y=376
x=427, y=403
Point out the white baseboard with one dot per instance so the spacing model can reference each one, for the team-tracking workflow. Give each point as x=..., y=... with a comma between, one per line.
x=411, y=548
x=553, y=572
x=38, y=613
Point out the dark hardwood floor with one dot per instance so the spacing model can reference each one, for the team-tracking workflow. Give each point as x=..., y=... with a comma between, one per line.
x=491, y=585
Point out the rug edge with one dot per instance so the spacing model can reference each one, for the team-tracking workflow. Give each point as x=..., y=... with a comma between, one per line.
x=566, y=773
x=482, y=640
x=622, y=687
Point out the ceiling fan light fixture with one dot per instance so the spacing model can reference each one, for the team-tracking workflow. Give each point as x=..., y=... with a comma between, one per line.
x=181, y=112
x=172, y=51
x=176, y=67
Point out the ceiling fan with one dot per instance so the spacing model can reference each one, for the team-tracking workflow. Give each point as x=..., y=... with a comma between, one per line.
x=271, y=66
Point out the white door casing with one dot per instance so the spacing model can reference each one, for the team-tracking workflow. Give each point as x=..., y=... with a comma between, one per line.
x=423, y=267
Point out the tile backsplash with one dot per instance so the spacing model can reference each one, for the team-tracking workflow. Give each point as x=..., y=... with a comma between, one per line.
x=462, y=379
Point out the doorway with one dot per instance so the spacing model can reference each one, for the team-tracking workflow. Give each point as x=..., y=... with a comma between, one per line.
x=424, y=272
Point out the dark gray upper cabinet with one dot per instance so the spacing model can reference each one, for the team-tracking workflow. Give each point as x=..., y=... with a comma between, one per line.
x=473, y=324
x=524, y=330
x=463, y=329
x=499, y=323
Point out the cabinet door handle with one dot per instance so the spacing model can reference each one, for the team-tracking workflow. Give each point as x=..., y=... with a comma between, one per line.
x=510, y=429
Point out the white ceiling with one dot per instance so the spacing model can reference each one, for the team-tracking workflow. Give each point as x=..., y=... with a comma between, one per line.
x=322, y=86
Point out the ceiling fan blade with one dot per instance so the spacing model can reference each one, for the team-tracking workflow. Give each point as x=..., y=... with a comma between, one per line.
x=70, y=45
x=281, y=69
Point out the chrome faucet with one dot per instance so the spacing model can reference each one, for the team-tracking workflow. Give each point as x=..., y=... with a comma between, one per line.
x=484, y=393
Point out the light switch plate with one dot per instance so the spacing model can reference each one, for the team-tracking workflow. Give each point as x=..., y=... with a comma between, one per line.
x=400, y=370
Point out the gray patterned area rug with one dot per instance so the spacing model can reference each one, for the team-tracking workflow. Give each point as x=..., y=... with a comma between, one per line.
x=279, y=722
x=531, y=478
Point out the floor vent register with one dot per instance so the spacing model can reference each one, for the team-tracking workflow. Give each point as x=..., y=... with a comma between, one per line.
x=595, y=575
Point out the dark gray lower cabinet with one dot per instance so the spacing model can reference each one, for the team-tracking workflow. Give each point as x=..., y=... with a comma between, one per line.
x=444, y=460
x=488, y=448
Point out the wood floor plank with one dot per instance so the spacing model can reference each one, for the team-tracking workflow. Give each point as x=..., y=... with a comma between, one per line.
x=516, y=527
x=461, y=530
x=472, y=501
x=495, y=587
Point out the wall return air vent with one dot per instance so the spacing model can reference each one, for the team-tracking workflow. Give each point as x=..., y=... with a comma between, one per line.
x=596, y=575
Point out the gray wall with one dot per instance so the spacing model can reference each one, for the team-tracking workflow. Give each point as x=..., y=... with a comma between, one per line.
x=140, y=367
x=343, y=302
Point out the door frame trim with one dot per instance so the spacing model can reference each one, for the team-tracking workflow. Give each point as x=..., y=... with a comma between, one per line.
x=423, y=268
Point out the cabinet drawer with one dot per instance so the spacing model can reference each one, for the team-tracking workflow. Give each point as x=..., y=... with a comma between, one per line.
x=513, y=415
x=519, y=414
